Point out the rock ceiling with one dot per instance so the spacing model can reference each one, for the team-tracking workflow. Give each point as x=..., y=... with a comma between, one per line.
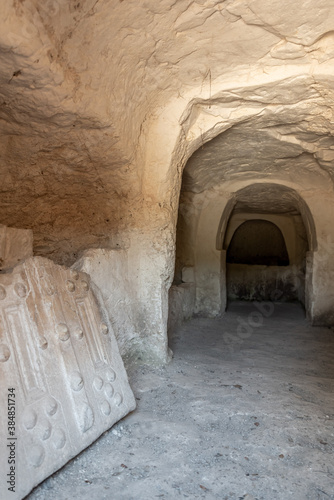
x=254, y=148
x=79, y=80
x=267, y=198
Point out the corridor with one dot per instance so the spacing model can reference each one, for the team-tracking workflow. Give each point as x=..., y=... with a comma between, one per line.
x=245, y=410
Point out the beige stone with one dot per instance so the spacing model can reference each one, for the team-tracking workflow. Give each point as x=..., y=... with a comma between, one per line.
x=188, y=275
x=59, y=355
x=16, y=245
x=105, y=110
x=135, y=139
x=181, y=303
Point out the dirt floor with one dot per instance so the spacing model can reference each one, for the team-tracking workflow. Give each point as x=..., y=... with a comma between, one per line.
x=244, y=411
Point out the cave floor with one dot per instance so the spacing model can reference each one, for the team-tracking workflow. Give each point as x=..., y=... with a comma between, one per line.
x=244, y=411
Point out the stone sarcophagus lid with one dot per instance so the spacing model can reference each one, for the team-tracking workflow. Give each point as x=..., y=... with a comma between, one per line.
x=63, y=382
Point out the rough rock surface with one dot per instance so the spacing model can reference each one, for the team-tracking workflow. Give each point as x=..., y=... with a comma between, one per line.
x=83, y=82
x=103, y=102
x=181, y=305
x=16, y=245
x=139, y=334
x=63, y=382
x=231, y=417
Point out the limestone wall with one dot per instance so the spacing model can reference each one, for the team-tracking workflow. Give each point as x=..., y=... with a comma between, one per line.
x=103, y=103
x=181, y=306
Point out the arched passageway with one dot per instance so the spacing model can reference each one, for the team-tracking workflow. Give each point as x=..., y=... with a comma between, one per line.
x=265, y=236
x=93, y=154
x=223, y=187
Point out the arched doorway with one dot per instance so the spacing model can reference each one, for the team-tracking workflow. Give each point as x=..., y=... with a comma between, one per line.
x=221, y=190
x=265, y=236
x=205, y=230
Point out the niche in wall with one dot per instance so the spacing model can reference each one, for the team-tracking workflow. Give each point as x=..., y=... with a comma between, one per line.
x=258, y=242
x=265, y=259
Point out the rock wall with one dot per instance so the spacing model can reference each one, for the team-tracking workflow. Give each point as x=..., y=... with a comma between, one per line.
x=263, y=283
x=114, y=272
x=181, y=302
x=103, y=103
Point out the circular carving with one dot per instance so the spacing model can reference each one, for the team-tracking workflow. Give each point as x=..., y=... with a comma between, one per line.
x=109, y=391
x=78, y=333
x=105, y=408
x=2, y=292
x=84, y=285
x=51, y=406
x=104, y=329
x=74, y=274
x=98, y=383
x=118, y=399
x=63, y=332
x=87, y=418
x=111, y=375
x=59, y=439
x=70, y=286
x=29, y=419
x=4, y=353
x=45, y=430
x=77, y=382
x=43, y=343
x=20, y=290
x=36, y=455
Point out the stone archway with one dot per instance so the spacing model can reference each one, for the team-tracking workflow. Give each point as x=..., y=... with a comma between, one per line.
x=273, y=206
x=255, y=134
x=286, y=200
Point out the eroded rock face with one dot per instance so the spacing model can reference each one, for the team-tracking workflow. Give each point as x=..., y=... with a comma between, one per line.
x=83, y=82
x=60, y=370
x=138, y=327
x=16, y=245
x=103, y=103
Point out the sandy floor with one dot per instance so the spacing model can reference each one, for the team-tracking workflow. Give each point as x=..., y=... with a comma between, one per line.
x=244, y=411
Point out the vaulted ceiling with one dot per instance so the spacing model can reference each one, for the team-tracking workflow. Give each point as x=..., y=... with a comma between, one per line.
x=79, y=80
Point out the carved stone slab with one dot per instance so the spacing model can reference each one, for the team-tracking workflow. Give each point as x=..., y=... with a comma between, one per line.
x=59, y=353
